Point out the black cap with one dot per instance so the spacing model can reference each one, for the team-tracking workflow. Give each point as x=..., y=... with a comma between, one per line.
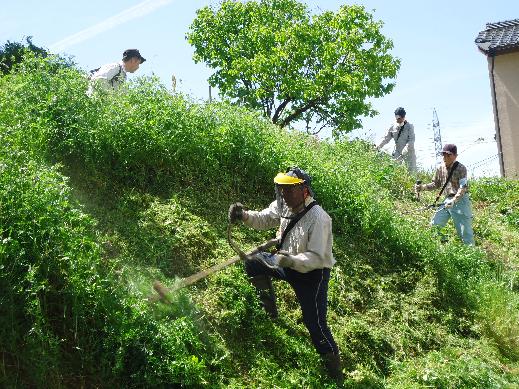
x=450, y=149
x=132, y=53
x=400, y=112
x=294, y=171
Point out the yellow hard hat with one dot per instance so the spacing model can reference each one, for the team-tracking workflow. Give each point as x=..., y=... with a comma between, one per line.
x=285, y=179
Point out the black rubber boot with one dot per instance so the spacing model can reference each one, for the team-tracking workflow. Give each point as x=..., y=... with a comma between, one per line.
x=332, y=362
x=266, y=293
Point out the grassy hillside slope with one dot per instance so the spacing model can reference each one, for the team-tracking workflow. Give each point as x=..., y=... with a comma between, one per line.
x=100, y=196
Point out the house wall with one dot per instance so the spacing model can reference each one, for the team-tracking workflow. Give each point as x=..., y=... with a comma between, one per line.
x=506, y=111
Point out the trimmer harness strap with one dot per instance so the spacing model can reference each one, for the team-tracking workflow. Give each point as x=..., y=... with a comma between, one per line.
x=293, y=222
x=454, y=166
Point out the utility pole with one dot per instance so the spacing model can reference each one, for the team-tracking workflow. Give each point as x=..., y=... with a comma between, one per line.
x=173, y=83
x=437, y=138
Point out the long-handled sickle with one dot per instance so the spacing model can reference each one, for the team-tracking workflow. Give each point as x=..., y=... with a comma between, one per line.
x=163, y=291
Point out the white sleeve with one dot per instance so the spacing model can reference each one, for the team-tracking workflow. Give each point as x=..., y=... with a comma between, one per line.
x=411, y=138
x=265, y=219
x=386, y=139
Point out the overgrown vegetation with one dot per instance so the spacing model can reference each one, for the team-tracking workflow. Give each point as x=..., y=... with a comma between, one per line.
x=100, y=196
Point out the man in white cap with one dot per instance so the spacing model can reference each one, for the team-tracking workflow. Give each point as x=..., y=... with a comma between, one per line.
x=112, y=75
x=402, y=132
x=304, y=258
x=451, y=177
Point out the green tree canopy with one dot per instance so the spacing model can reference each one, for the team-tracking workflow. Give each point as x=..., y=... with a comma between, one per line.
x=12, y=53
x=275, y=56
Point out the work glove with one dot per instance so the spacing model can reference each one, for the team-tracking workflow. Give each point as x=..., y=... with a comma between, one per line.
x=235, y=212
x=284, y=259
x=449, y=203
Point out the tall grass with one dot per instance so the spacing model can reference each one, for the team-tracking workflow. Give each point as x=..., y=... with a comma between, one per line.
x=152, y=175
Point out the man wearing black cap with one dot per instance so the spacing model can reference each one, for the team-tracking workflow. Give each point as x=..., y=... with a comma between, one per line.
x=451, y=178
x=304, y=258
x=112, y=75
x=402, y=132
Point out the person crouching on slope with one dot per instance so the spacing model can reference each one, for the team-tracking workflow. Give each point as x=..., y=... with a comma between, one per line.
x=111, y=76
x=304, y=258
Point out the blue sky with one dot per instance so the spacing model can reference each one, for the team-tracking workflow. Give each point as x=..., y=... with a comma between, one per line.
x=441, y=67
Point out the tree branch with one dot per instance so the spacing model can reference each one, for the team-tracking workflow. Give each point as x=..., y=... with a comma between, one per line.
x=311, y=104
x=267, y=106
x=280, y=109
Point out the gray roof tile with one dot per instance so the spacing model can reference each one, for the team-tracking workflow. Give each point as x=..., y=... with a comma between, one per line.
x=499, y=37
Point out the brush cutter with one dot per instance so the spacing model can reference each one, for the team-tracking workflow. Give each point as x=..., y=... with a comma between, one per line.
x=163, y=291
x=417, y=192
x=435, y=206
x=432, y=206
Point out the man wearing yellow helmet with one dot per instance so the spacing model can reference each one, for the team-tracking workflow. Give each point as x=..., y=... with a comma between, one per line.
x=304, y=258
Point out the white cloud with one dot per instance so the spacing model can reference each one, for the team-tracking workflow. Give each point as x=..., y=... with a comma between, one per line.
x=135, y=12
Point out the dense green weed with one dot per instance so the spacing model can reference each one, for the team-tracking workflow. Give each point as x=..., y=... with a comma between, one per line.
x=151, y=178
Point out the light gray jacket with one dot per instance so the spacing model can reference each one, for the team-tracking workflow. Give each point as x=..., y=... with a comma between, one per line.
x=406, y=137
x=309, y=242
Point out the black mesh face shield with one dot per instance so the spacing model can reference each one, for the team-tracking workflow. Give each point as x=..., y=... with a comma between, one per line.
x=293, y=177
x=283, y=209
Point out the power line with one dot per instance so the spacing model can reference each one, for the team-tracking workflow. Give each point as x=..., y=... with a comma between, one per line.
x=484, y=161
x=481, y=167
x=480, y=141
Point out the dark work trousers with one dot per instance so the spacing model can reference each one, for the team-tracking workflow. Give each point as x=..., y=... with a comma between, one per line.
x=312, y=293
